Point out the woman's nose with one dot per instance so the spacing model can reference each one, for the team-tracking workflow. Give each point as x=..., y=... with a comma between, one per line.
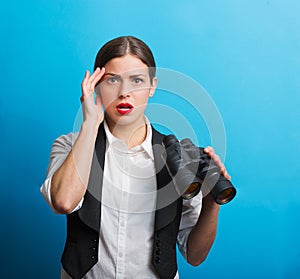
x=125, y=89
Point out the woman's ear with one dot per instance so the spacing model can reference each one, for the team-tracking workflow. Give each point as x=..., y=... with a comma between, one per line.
x=153, y=87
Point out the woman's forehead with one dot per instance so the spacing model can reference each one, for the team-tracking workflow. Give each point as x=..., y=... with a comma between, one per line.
x=125, y=64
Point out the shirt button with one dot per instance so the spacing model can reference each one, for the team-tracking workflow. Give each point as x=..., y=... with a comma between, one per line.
x=122, y=223
x=120, y=254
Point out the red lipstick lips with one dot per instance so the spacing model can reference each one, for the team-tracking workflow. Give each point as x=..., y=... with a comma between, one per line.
x=124, y=108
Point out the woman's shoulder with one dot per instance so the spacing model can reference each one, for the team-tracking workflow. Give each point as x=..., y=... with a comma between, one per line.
x=65, y=141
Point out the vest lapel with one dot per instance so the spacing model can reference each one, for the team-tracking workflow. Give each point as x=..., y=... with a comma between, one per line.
x=91, y=207
x=167, y=197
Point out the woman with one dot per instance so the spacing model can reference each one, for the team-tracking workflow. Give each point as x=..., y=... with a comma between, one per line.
x=108, y=177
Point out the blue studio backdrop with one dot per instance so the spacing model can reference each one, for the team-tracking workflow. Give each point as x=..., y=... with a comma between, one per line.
x=246, y=54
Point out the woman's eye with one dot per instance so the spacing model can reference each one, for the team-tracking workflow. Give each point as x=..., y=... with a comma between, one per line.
x=112, y=80
x=137, y=80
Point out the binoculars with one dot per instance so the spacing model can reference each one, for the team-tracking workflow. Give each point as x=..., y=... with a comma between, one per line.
x=191, y=168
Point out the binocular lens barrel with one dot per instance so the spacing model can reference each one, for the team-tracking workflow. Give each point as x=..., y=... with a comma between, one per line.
x=181, y=158
x=191, y=191
x=223, y=192
x=187, y=184
x=225, y=196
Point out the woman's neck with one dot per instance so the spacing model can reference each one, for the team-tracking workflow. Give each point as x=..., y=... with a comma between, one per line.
x=133, y=134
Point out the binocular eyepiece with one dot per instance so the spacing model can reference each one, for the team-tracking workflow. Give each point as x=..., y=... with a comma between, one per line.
x=191, y=168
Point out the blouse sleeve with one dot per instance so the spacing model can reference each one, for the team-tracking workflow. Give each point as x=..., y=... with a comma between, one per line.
x=190, y=213
x=59, y=152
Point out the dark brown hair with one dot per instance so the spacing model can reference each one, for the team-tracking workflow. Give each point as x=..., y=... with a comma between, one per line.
x=121, y=46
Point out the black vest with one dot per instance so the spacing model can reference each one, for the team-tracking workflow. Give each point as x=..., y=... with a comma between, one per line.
x=83, y=226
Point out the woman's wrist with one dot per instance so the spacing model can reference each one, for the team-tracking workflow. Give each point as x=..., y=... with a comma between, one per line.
x=91, y=127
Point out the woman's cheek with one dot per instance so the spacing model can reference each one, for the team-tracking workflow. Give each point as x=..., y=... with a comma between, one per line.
x=107, y=104
x=107, y=99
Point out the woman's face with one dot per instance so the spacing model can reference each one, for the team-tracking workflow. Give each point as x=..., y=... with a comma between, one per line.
x=125, y=89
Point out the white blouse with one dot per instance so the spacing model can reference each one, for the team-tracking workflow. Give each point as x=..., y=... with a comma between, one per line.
x=128, y=207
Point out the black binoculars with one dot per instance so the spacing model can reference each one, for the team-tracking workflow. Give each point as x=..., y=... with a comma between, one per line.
x=191, y=168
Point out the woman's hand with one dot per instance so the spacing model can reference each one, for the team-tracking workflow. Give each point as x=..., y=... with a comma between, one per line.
x=211, y=152
x=92, y=112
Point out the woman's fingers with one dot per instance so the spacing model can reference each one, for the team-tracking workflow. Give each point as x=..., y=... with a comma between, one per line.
x=89, y=82
x=211, y=152
x=84, y=84
x=96, y=76
x=209, y=149
x=92, y=111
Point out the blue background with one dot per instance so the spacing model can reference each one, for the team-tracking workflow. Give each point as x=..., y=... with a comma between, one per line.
x=246, y=54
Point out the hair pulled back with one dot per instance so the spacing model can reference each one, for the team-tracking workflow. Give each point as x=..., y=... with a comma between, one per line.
x=121, y=46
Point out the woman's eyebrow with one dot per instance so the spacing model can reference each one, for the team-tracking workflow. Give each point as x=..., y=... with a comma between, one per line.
x=119, y=76
x=137, y=75
x=112, y=74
